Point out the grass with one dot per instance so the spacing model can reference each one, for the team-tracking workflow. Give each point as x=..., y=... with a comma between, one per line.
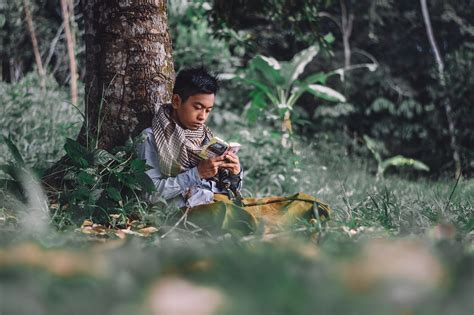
x=393, y=246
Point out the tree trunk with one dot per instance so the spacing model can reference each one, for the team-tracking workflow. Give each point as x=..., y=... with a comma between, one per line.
x=129, y=68
x=6, y=66
x=6, y=73
x=129, y=72
x=70, y=50
x=34, y=42
x=442, y=79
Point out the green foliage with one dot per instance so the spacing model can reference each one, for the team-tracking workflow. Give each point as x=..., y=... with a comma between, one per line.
x=14, y=150
x=278, y=28
x=13, y=172
x=16, y=47
x=401, y=102
x=268, y=167
x=99, y=184
x=194, y=41
x=37, y=121
x=395, y=161
x=277, y=86
x=459, y=92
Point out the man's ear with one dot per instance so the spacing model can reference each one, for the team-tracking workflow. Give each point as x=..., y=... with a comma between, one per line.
x=176, y=101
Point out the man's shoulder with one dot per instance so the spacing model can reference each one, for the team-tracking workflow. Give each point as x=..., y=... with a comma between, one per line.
x=147, y=133
x=147, y=136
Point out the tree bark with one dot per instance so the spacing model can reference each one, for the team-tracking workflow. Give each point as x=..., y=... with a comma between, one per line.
x=70, y=50
x=129, y=72
x=6, y=60
x=34, y=42
x=129, y=68
x=442, y=79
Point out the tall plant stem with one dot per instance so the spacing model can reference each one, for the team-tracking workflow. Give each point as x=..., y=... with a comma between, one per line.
x=70, y=49
x=442, y=79
x=34, y=43
x=346, y=29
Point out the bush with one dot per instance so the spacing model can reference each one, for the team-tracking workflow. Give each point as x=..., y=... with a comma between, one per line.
x=38, y=121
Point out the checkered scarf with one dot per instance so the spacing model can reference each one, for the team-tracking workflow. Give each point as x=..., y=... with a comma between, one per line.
x=178, y=148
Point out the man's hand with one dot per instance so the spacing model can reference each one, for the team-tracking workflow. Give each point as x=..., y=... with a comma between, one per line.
x=208, y=168
x=231, y=163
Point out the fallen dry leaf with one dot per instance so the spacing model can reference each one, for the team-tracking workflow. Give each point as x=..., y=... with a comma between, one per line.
x=148, y=230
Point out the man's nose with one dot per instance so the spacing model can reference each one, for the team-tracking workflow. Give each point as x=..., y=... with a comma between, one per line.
x=202, y=116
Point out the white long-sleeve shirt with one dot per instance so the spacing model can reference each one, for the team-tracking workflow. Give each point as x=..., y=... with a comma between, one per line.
x=172, y=189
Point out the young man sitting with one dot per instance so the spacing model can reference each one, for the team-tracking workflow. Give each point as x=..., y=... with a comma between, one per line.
x=185, y=180
x=176, y=138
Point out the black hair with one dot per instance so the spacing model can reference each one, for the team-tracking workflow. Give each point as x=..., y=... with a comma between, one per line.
x=194, y=81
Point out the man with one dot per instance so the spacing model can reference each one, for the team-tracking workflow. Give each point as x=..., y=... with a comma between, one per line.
x=185, y=180
x=175, y=139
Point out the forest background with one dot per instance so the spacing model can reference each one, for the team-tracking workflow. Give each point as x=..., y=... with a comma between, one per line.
x=383, y=133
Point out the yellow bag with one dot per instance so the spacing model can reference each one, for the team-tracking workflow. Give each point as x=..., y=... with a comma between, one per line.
x=275, y=213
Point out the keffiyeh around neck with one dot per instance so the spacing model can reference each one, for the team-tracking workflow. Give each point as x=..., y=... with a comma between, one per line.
x=178, y=148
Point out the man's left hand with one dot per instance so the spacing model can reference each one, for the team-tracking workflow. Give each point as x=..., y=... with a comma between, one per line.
x=231, y=163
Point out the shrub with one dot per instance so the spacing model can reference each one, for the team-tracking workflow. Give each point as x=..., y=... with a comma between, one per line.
x=38, y=121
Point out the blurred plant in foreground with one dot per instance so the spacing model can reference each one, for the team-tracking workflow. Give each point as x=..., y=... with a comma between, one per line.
x=24, y=195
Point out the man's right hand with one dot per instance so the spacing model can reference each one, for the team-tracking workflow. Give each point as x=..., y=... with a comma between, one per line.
x=208, y=168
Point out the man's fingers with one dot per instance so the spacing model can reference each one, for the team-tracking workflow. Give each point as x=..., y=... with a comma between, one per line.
x=231, y=158
x=217, y=163
x=218, y=158
x=228, y=165
x=232, y=154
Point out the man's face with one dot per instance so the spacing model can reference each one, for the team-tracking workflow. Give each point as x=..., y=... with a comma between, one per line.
x=192, y=113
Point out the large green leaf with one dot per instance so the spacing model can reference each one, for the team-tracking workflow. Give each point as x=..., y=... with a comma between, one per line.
x=14, y=171
x=76, y=152
x=272, y=62
x=84, y=178
x=95, y=195
x=145, y=182
x=372, y=146
x=81, y=193
x=402, y=161
x=102, y=157
x=269, y=68
x=128, y=180
x=329, y=38
x=13, y=149
x=256, y=105
x=138, y=166
x=294, y=68
x=2, y=20
x=114, y=194
x=259, y=85
x=319, y=77
x=325, y=93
